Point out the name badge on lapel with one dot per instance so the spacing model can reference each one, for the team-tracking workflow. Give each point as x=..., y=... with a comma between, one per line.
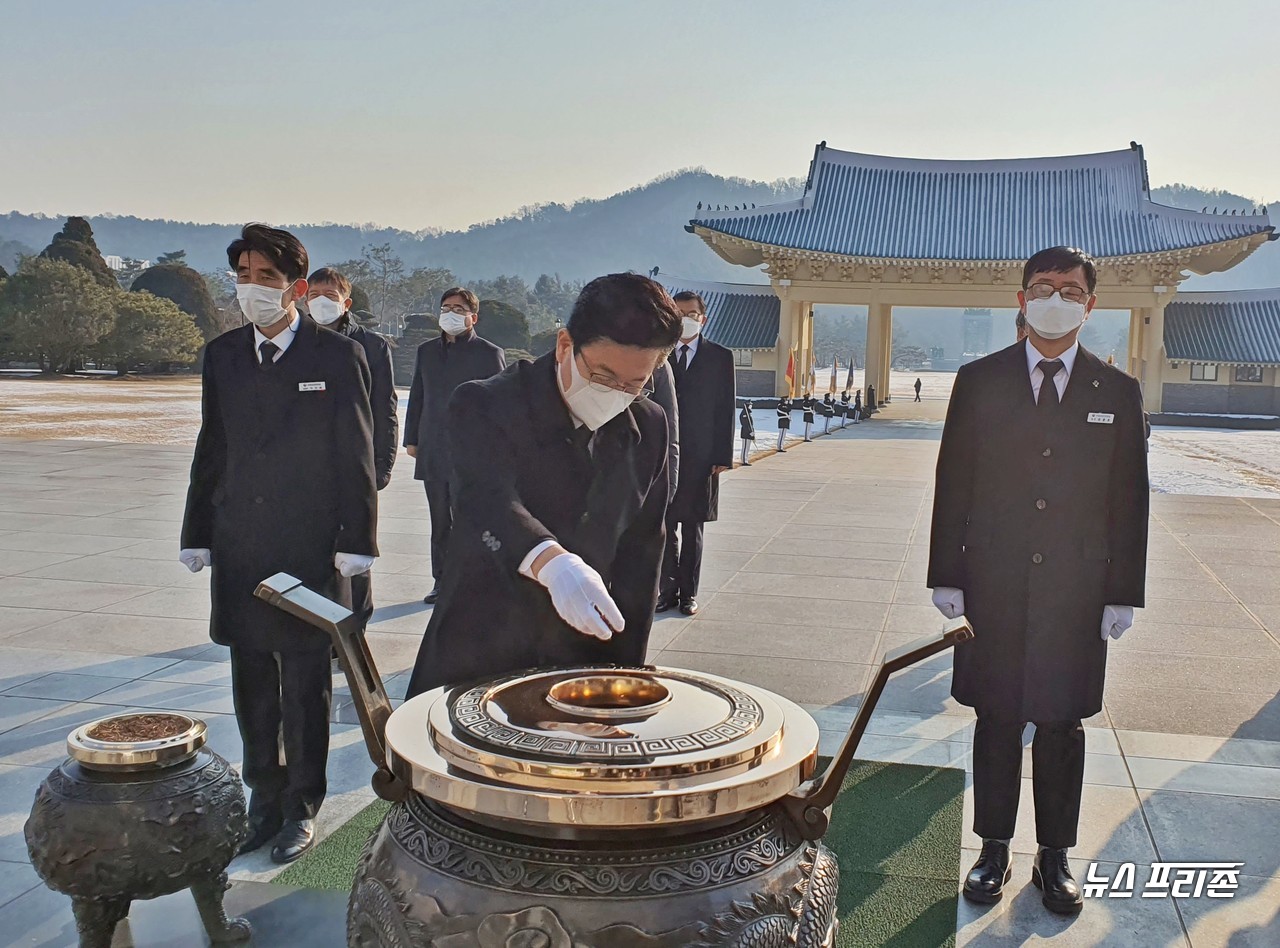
x=1101, y=418
x=319, y=387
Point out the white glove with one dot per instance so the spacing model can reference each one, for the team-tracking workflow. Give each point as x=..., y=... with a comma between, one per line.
x=195, y=560
x=949, y=601
x=352, y=564
x=580, y=596
x=1116, y=620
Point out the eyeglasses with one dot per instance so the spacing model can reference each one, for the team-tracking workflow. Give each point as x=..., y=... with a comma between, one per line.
x=455, y=309
x=604, y=384
x=1071, y=293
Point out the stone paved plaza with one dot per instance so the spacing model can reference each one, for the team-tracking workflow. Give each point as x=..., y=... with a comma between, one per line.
x=815, y=568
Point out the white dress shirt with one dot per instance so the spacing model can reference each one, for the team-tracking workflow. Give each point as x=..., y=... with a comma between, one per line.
x=693, y=349
x=282, y=340
x=1035, y=357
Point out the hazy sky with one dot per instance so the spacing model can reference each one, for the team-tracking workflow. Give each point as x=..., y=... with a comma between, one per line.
x=415, y=113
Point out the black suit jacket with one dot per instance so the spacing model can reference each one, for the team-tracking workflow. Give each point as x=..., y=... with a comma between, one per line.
x=1042, y=524
x=282, y=478
x=523, y=475
x=441, y=368
x=707, y=397
x=383, y=399
x=664, y=393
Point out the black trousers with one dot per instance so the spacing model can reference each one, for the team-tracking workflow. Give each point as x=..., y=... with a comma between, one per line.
x=1057, y=777
x=282, y=706
x=682, y=560
x=438, y=502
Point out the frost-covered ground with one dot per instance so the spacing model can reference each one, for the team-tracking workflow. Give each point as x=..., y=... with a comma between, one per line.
x=167, y=411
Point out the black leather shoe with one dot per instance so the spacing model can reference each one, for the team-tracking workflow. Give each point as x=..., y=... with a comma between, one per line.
x=689, y=607
x=431, y=597
x=665, y=604
x=985, y=882
x=294, y=839
x=262, y=829
x=1052, y=876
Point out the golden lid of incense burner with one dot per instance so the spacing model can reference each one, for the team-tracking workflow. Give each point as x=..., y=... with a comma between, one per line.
x=603, y=747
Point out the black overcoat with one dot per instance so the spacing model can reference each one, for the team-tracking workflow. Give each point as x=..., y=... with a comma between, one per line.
x=440, y=368
x=1041, y=525
x=708, y=399
x=524, y=474
x=664, y=393
x=383, y=399
x=282, y=478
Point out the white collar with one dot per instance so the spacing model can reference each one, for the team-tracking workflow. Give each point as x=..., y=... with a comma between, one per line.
x=282, y=341
x=692, y=344
x=1035, y=356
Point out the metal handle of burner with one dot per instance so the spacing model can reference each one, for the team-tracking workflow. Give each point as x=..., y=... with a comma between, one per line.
x=809, y=805
x=373, y=707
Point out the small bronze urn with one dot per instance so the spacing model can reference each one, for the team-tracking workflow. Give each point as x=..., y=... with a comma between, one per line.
x=140, y=809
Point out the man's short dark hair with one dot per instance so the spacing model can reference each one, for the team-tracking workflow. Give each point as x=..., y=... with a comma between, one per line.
x=328, y=276
x=1061, y=260
x=284, y=250
x=473, y=301
x=685, y=296
x=628, y=309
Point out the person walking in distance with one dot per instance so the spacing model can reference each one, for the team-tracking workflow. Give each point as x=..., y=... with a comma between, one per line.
x=1039, y=537
x=918, y=386
x=457, y=355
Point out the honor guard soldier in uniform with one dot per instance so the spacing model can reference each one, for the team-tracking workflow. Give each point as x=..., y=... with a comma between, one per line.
x=705, y=385
x=329, y=304
x=282, y=481
x=457, y=355
x=746, y=432
x=828, y=412
x=857, y=407
x=844, y=408
x=784, y=421
x=1040, y=538
x=807, y=406
x=561, y=473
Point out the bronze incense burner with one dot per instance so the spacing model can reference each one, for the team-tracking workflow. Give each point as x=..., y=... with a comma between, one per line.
x=594, y=807
x=127, y=817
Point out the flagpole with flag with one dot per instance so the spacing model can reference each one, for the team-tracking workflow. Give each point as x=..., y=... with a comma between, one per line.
x=835, y=367
x=813, y=371
x=848, y=379
x=791, y=373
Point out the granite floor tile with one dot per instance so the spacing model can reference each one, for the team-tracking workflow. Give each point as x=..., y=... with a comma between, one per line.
x=65, y=687
x=169, y=695
x=1220, y=750
x=118, y=568
x=798, y=679
x=124, y=634
x=749, y=638
x=28, y=593
x=1250, y=919
x=1258, y=673
x=1195, y=640
x=785, y=612
x=1191, y=827
x=798, y=565
x=15, y=620
x=1178, y=710
x=195, y=673
x=1191, y=776
x=16, y=879
x=15, y=562
x=817, y=587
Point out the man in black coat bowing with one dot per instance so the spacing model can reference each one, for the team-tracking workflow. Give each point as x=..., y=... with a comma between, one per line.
x=457, y=355
x=560, y=467
x=282, y=481
x=1040, y=538
x=705, y=386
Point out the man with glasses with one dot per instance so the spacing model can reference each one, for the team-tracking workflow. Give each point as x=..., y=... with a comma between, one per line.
x=561, y=487
x=1040, y=538
x=458, y=355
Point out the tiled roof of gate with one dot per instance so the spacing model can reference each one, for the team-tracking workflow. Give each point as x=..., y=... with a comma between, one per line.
x=739, y=315
x=1240, y=327
x=1002, y=210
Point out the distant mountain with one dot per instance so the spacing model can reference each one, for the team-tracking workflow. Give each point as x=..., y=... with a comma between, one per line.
x=635, y=229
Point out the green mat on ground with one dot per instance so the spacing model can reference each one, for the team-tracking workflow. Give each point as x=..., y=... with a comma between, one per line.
x=896, y=829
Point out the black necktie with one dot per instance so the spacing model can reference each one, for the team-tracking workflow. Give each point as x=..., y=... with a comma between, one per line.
x=1048, y=388
x=682, y=363
x=267, y=351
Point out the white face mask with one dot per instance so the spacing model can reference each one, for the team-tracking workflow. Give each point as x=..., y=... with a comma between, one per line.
x=455, y=324
x=591, y=407
x=692, y=327
x=262, y=305
x=325, y=311
x=1055, y=317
